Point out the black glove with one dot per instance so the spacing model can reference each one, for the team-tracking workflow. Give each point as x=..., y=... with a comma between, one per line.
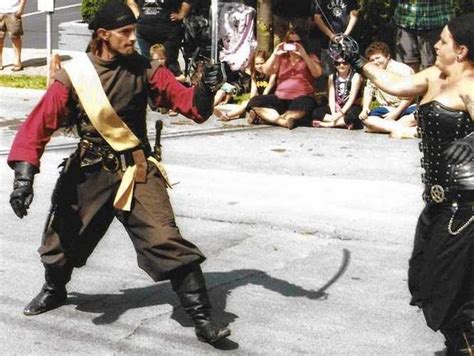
x=346, y=47
x=22, y=195
x=213, y=76
x=211, y=80
x=461, y=151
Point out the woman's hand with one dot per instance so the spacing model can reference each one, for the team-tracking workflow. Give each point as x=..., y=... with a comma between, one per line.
x=279, y=49
x=300, y=51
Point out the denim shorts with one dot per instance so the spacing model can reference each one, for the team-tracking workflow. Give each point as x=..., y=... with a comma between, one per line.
x=382, y=110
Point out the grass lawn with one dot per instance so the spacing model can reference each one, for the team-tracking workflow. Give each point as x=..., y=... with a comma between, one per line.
x=23, y=81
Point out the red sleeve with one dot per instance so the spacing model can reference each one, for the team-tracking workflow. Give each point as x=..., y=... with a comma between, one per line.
x=36, y=131
x=173, y=94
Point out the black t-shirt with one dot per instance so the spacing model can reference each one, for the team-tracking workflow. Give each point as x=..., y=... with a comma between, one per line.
x=152, y=11
x=292, y=8
x=335, y=13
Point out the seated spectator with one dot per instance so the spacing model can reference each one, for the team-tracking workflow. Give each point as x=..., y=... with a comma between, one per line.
x=294, y=100
x=158, y=53
x=392, y=115
x=344, y=100
x=225, y=94
x=260, y=84
x=238, y=82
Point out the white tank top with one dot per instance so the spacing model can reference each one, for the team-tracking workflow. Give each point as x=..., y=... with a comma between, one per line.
x=9, y=6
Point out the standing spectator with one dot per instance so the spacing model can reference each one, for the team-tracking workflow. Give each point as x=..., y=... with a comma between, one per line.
x=392, y=115
x=289, y=14
x=344, y=99
x=10, y=21
x=161, y=21
x=419, y=24
x=333, y=17
x=294, y=98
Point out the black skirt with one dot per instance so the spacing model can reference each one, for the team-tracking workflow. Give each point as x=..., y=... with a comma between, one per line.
x=441, y=268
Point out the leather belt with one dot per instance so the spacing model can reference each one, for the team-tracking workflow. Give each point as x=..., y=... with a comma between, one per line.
x=92, y=154
x=437, y=194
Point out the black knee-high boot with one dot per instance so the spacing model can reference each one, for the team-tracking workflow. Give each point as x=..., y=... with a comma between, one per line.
x=189, y=284
x=53, y=293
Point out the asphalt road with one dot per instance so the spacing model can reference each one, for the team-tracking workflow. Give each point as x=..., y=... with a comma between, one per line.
x=307, y=232
x=34, y=23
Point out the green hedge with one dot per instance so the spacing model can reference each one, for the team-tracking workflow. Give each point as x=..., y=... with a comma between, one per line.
x=90, y=7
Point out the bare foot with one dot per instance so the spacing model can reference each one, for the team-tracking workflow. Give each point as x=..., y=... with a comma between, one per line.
x=221, y=114
x=290, y=123
x=404, y=132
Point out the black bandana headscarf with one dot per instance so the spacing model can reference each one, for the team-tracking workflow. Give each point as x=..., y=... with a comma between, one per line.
x=112, y=15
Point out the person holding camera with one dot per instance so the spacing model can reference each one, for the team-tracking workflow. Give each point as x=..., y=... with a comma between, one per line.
x=293, y=100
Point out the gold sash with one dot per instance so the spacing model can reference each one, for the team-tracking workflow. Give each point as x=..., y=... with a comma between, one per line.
x=110, y=126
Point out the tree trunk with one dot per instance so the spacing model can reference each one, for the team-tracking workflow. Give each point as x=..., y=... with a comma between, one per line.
x=265, y=25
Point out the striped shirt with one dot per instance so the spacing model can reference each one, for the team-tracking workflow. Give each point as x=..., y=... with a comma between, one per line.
x=423, y=15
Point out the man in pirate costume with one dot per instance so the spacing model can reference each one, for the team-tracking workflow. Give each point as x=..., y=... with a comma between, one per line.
x=113, y=173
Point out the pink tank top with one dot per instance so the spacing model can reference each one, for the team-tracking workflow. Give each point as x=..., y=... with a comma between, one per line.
x=294, y=80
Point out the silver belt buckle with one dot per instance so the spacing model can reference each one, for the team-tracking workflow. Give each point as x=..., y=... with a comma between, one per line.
x=437, y=193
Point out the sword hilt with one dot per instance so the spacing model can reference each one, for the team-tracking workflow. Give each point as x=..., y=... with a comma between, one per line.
x=158, y=128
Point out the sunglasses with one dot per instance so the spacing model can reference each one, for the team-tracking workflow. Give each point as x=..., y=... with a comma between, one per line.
x=297, y=41
x=338, y=63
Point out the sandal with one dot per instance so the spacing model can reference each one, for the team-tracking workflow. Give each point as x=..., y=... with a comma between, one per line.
x=17, y=68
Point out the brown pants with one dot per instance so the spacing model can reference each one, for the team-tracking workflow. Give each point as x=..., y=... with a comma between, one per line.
x=85, y=211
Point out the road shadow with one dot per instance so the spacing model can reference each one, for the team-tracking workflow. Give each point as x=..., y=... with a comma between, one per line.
x=220, y=284
x=41, y=61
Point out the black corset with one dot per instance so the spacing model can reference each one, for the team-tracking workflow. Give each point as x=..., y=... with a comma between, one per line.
x=439, y=126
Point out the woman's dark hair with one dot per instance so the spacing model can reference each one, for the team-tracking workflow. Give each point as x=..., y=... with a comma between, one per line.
x=294, y=31
x=462, y=30
x=259, y=53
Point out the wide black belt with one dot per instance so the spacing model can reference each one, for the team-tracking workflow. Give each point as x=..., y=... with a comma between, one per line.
x=93, y=154
x=437, y=194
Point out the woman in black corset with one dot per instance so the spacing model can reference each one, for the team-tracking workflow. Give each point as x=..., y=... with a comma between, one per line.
x=441, y=269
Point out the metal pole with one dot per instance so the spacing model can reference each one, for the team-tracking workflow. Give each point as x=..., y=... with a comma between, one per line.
x=49, y=21
x=214, y=31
